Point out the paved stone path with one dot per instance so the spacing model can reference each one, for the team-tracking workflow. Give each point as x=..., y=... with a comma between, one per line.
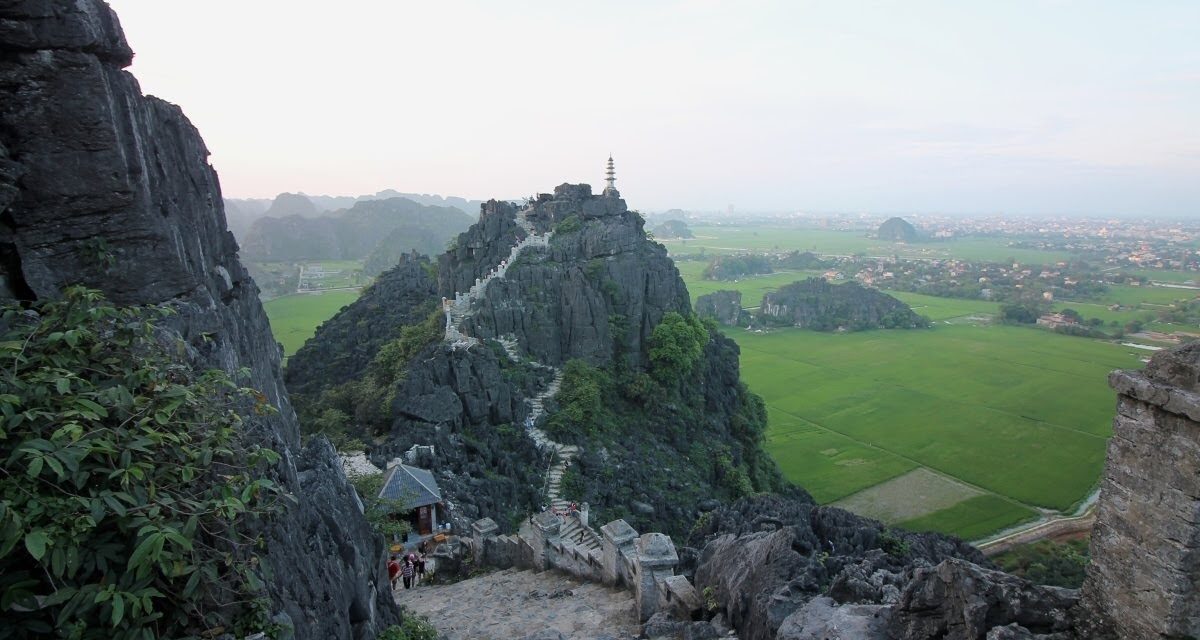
x=515, y=604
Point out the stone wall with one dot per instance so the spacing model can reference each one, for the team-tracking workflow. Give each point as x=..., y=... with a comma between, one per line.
x=1144, y=578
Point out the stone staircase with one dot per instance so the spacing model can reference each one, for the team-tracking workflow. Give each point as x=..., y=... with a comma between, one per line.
x=459, y=308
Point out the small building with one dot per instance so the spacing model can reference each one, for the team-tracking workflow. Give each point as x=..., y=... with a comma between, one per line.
x=416, y=495
x=1055, y=320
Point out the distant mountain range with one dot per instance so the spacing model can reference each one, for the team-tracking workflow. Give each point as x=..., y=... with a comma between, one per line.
x=242, y=212
x=372, y=229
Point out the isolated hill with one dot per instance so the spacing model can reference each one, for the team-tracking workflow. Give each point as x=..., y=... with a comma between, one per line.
x=587, y=304
x=897, y=230
x=396, y=225
x=817, y=304
x=292, y=204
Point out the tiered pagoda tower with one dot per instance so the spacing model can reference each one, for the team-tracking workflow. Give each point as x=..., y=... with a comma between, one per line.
x=611, y=190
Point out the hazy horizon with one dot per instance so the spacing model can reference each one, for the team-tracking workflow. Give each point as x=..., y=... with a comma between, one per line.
x=1052, y=107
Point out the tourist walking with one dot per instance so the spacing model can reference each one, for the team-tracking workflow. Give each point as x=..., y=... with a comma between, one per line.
x=420, y=565
x=393, y=567
x=406, y=572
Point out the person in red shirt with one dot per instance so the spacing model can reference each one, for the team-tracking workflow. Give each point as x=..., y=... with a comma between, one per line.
x=393, y=566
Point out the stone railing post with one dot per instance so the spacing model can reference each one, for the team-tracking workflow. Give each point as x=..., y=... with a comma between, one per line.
x=480, y=531
x=656, y=560
x=583, y=514
x=616, y=543
x=545, y=533
x=1143, y=580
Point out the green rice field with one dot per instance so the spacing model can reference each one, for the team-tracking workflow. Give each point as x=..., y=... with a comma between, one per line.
x=1019, y=415
x=295, y=318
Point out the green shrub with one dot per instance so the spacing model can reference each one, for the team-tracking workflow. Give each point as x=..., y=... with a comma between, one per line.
x=414, y=627
x=568, y=225
x=128, y=488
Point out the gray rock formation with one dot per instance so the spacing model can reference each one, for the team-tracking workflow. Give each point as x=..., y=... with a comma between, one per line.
x=1144, y=577
x=958, y=600
x=104, y=187
x=723, y=306
x=767, y=558
x=599, y=284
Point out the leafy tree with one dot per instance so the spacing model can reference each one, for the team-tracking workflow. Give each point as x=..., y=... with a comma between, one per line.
x=1018, y=313
x=676, y=344
x=128, y=492
x=581, y=400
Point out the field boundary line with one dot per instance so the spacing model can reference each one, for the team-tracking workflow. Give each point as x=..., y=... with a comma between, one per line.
x=913, y=390
x=948, y=476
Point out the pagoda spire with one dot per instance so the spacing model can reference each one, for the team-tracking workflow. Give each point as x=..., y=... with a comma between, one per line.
x=611, y=179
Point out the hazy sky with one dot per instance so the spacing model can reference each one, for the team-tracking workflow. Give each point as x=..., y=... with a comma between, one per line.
x=1023, y=107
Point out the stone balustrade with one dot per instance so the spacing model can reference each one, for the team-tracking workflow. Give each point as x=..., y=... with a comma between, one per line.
x=644, y=564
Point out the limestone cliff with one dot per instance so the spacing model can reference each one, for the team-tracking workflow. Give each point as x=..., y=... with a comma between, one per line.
x=103, y=186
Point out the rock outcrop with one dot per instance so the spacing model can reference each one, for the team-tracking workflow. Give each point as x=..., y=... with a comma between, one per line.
x=1144, y=577
x=788, y=569
x=104, y=187
x=723, y=306
x=817, y=304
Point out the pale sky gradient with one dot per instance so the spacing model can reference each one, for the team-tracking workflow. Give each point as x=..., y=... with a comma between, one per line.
x=955, y=106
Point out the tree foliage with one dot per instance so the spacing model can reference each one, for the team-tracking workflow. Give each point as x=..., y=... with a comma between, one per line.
x=127, y=488
x=676, y=344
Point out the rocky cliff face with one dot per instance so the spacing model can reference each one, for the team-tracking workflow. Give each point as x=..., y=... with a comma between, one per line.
x=818, y=304
x=102, y=186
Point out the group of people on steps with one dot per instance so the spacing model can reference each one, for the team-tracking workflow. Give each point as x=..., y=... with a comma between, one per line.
x=410, y=568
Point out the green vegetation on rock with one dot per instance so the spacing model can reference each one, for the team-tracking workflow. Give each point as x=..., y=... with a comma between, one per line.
x=129, y=492
x=1059, y=564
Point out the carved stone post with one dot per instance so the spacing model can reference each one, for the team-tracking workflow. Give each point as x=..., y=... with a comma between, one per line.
x=545, y=533
x=656, y=560
x=616, y=542
x=1144, y=577
x=480, y=531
